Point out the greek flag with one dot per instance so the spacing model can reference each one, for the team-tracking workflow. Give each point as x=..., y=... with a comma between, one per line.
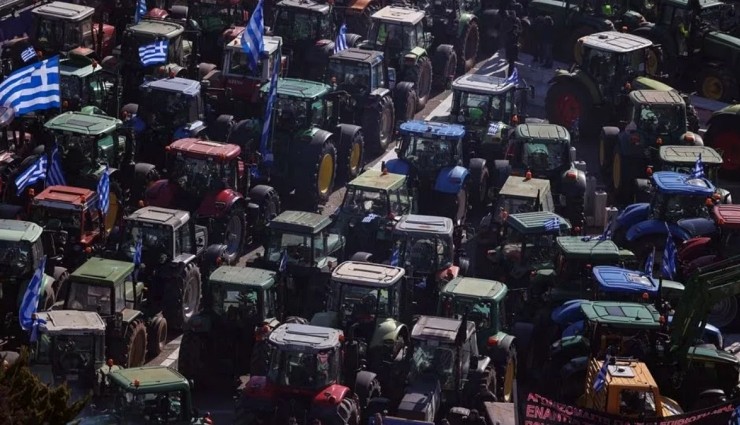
x=341, y=41
x=396, y=257
x=140, y=11
x=28, y=54
x=370, y=217
x=600, y=380
x=514, y=77
x=267, y=124
x=154, y=53
x=30, y=302
x=283, y=263
x=34, y=174
x=137, y=251
x=55, y=176
x=698, y=171
x=32, y=88
x=607, y=231
x=104, y=191
x=253, y=42
x=552, y=224
x=649, y=263
x=669, y=258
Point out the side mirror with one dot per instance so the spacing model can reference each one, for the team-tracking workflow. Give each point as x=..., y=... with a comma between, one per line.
x=572, y=154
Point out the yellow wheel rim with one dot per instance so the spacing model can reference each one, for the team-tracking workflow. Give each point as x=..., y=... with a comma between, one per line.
x=617, y=170
x=712, y=88
x=112, y=217
x=326, y=173
x=354, y=158
x=509, y=381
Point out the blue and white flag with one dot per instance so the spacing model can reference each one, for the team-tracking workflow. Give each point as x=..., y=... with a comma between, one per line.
x=34, y=174
x=253, y=41
x=650, y=263
x=55, y=176
x=607, y=231
x=369, y=218
x=138, y=248
x=154, y=53
x=514, y=77
x=30, y=301
x=283, y=263
x=267, y=124
x=422, y=283
x=28, y=54
x=669, y=258
x=140, y=11
x=32, y=88
x=341, y=41
x=396, y=257
x=104, y=191
x=600, y=381
x=698, y=171
x=552, y=224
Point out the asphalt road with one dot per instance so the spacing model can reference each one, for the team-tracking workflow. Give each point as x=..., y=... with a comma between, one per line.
x=219, y=402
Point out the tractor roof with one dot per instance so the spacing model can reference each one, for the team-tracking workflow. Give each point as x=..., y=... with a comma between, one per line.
x=162, y=216
x=441, y=329
x=367, y=274
x=301, y=222
x=16, y=231
x=377, y=180
x=576, y=247
x=272, y=42
x=542, y=131
x=520, y=187
x=727, y=215
x=628, y=374
x=674, y=183
x=83, y=123
x=482, y=83
x=354, y=54
x=77, y=65
x=149, y=379
x=157, y=28
x=433, y=129
x=64, y=11
x=534, y=222
x=617, y=42
x=313, y=6
x=616, y=279
x=304, y=89
x=243, y=276
x=399, y=15
x=428, y=224
x=684, y=154
x=703, y=3
x=656, y=97
x=470, y=287
x=98, y=271
x=175, y=84
x=72, y=322
x=306, y=338
x=205, y=149
x=66, y=198
x=622, y=314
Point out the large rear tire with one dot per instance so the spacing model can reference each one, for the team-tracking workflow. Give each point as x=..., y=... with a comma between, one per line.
x=444, y=66
x=190, y=360
x=134, y=350
x=234, y=233
x=467, y=47
x=421, y=75
x=318, y=171
x=405, y=99
x=717, y=83
x=183, y=297
x=350, y=152
x=377, y=125
x=567, y=102
x=157, y=335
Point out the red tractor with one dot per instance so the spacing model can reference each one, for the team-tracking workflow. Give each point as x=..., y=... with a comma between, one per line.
x=208, y=179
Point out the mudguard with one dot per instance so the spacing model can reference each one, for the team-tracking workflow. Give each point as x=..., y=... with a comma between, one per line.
x=568, y=312
x=697, y=226
x=576, y=365
x=463, y=22
x=218, y=204
x=326, y=319
x=655, y=227
x=725, y=197
x=632, y=214
x=500, y=352
x=580, y=78
x=189, y=130
x=398, y=166
x=385, y=332
x=199, y=323
x=574, y=329
x=451, y=179
x=331, y=396
x=573, y=187
x=379, y=93
x=568, y=345
x=694, y=248
x=161, y=194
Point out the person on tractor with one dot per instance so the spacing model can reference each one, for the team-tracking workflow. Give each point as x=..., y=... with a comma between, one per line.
x=683, y=32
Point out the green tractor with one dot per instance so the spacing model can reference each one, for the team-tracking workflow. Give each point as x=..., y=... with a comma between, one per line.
x=402, y=35
x=135, y=331
x=84, y=83
x=455, y=22
x=723, y=134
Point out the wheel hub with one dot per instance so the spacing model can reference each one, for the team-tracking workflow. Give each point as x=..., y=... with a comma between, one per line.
x=712, y=88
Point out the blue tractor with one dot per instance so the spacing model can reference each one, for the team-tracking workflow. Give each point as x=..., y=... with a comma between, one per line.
x=679, y=204
x=431, y=154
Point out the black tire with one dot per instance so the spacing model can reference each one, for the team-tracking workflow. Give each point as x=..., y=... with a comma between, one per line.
x=134, y=349
x=259, y=358
x=479, y=182
x=404, y=101
x=565, y=95
x=350, y=152
x=378, y=124
x=220, y=131
x=144, y=175
x=709, y=398
x=268, y=200
x=467, y=46
x=353, y=39
x=48, y=300
x=61, y=283
x=190, y=360
x=444, y=66
x=622, y=176
x=607, y=142
x=309, y=188
x=233, y=231
x=462, y=202
x=421, y=75
x=157, y=334
x=717, y=83
x=575, y=207
x=668, y=59
x=362, y=256
x=505, y=392
x=183, y=297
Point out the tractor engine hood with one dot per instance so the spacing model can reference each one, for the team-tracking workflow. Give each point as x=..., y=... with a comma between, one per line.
x=698, y=226
x=694, y=248
x=422, y=399
x=721, y=40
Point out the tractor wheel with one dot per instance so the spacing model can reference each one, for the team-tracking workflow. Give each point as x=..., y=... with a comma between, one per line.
x=353, y=39
x=709, y=398
x=723, y=134
x=444, y=66
x=183, y=297
x=506, y=380
x=190, y=360
x=319, y=169
x=461, y=204
x=48, y=300
x=234, y=234
x=478, y=183
x=268, y=200
x=405, y=99
x=157, y=333
x=61, y=284
x=620, y=174
x=259, y=358
x=717, y=84
x=575, y=207
x=377, y=125
x=724, y=313
x=422, y=79
x=567, y=102
x=134, y=351
x=350, y=152
x=467, y=47
x=144, y=175
x=606, y=148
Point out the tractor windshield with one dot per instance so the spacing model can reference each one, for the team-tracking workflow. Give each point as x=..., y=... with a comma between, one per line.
x=216, y=16
x=303, y=370
x=392, y=37
x=165, y=109
x=436, y=360
x=61, y=35
x=354, y=77
x=71, y=87
x=426, y=253
x=661, y=119
x=156, y=242
x=292, y=112
x=198, y=175
x=359, y=201
x=363, y=304
x=636, y=403
x=479, y=109
x=428, y=154
x=302, y=249
x=511, y=205
x=83, y=296
x=533, y=250
x=77, y=151
x=542, y=156
x=65, y=219
x=236, y=304
x=296, y=25
x=16, y=258
x=479, y=311
x=155, y=408
x=68, y=354
x=672, y=208
x=719, y=16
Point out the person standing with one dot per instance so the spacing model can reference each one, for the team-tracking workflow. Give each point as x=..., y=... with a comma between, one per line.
x=512, y=42
x=548, y=28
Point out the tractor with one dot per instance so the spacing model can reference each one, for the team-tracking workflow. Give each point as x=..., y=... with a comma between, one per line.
x=314, y=374
x=682, y=159
x=172, y=246
x=135, y=330
x=488, y=107
x=402, y=35
x=456, y=23
x=302, y=242
x=656, y=118
x=544, y=151
x=59, y=27
x=208, y=179
x=372, y=204
x=723, y=134
x=220, y=339
x=23, y=245
x=431, y=154
x=84, y=83
x=377, y=101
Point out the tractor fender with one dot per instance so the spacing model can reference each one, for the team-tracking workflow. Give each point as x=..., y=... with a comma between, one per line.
x=579, y=78
x=465, y=19
x=398, y=166
x=694, y=248
x=731, y=112
x=476, y=166
x=416, y=53
x=161, y=194
x=210, y=260
x=573, y=187
x=192, y=129
x=219, y=204
x=199, y=323
x=347, y=133
x=632, y=214
x=331, y=396
x=386, y=331
x=569, y=312
x=503, y=170
x=362, y=256
x=379, y=93
x=451, y=179
x=129, y=315
x=258, y=388
x=697, y=226
x=725, y=197
x=578, y=343
x=574, y=366
x=327, y=319
x=364, y=382
x=523, y=332
x=574, y=329
x=698, y=140
x=500, y=352
x=645, y=83
x=655, y=227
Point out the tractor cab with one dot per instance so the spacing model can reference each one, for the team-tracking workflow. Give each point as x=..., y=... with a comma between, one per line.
x=676, y=197
x=83, y=82
x=396, y=30
x=59, y=27
x=521, y=195
x=359, y=72
x=148, y=31
x=543, y=149
x=213, y=18
x=243, y=296
x=307, y=28
x=705, y=249
x=714, y=15
x=656, y=118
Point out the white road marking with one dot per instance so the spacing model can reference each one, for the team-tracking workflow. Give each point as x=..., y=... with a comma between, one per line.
x=173, y=348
